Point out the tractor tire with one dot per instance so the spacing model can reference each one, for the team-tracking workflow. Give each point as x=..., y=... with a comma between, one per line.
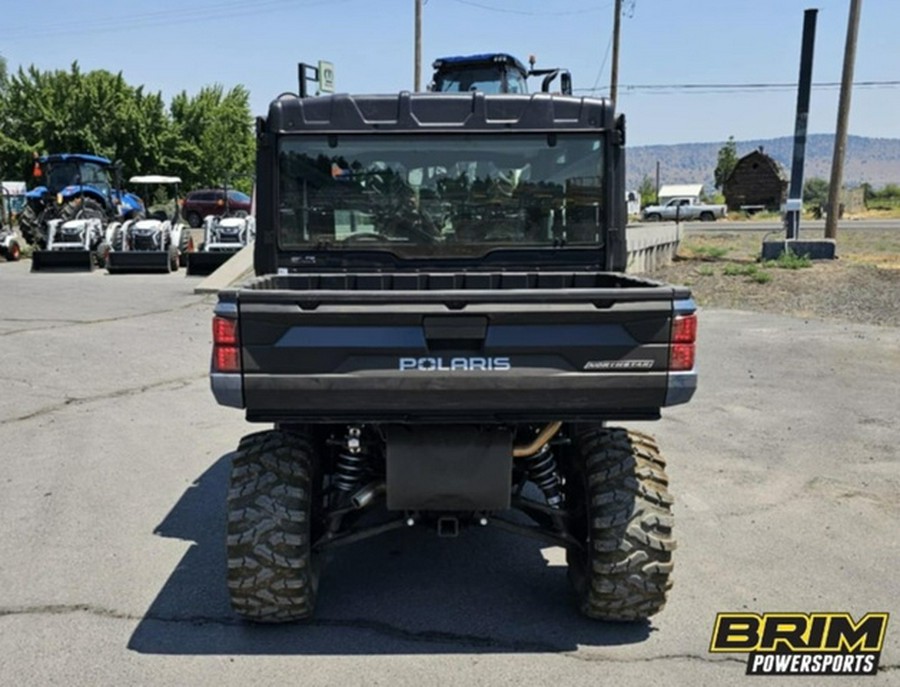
x=272, y=570
x=621, y=511
x=31, y=226
x=12, y=252
x=173, y=259
x=118, y=238
x=185, y=246
x=82, y=207
x=101, y=255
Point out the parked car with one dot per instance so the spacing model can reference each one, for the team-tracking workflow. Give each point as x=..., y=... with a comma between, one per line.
x=211, y=201
x=683, y=209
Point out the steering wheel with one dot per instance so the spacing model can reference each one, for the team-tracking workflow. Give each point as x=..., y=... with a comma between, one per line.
x=365, y=236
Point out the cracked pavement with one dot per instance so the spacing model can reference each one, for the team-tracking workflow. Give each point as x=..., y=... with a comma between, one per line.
x=115, y=460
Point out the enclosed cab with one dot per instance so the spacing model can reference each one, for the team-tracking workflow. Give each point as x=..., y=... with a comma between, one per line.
x=492, y=73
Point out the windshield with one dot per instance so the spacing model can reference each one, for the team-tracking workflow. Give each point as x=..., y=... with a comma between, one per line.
x=70, y=173
x=485, y=79
x=440, y=195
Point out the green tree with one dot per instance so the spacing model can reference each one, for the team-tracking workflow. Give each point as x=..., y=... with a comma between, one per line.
x=726, y=161
x=213, y=139
x=202, y=138
x=647, y=190
x=815, y=192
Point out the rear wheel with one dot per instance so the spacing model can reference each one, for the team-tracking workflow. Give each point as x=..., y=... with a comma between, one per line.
x=102, y=254
x=30, y=224
x=13, y=252
x=622, y=513
x=194, y=219
x=185, y=246
x=81, y=208
x=707, y=217
x=272, y=571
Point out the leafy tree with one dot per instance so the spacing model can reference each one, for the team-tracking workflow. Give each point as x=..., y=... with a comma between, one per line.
x=201, y=138
x=647, y=189
x=815, y=192
x=726, y=161
x=213, y=139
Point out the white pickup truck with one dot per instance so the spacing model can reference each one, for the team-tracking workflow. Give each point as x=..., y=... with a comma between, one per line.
x=679, y=209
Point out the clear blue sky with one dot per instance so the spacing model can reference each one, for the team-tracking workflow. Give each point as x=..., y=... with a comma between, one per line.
x=171, y=46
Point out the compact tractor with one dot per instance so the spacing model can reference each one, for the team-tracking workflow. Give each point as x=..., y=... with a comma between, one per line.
x=223, y=236
x=159, y=242
x=67, y=219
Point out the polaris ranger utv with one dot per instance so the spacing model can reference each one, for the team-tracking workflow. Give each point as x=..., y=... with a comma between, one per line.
x=441, y=332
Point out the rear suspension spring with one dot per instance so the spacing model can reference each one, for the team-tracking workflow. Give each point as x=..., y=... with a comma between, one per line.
x=352, y=462
x=541, y=469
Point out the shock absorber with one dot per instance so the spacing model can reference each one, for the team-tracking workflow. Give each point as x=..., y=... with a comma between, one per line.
x=351, y=464
x=541, y=469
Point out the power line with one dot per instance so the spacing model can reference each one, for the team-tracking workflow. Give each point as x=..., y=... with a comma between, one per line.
x=554, y=13
x=698, y=88
x=123, y=24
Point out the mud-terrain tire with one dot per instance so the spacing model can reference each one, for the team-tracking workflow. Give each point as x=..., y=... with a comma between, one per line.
x=621, y=509
x=272, y=571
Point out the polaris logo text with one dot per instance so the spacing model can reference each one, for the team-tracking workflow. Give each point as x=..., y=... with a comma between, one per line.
x=802, y=643
x=455, y=364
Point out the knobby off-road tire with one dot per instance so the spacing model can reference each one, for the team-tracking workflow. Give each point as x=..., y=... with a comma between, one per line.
x=185, y=241
x=622, y=510
x=272, y=572
x=82, y=208
x=31, y=227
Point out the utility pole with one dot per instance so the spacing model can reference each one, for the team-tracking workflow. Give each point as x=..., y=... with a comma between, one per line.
x=795, y=193
x=418, y=58
x=614, y=75
x=840, y=136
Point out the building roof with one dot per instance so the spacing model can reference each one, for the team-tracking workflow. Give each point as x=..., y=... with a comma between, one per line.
x=672, y=190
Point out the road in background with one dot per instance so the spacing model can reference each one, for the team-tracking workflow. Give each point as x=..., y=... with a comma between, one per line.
x=115, y=468
x=809, y=229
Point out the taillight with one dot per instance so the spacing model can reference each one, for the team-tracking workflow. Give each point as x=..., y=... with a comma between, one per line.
x=683, y=343
x=684, y=329
x=226, y=346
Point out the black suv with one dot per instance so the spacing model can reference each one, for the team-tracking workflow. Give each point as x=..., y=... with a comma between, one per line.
x=211, y=201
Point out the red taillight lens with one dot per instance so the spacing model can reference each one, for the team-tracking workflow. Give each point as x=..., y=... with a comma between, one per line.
x=226, y=347
x=684, y=329
x=681, y=357
x=224, y=331
x=227, y=359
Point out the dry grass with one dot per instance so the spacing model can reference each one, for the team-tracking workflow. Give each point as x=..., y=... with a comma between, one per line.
x=862, y=285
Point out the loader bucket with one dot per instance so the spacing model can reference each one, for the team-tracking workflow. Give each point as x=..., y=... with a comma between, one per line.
x=139, y=261
x=204, y=263
x=68, y=260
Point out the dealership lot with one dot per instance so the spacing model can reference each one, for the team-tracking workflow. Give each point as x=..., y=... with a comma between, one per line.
x=785, y=469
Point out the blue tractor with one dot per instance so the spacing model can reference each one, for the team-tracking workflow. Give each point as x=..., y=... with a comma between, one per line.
x=75, y=185
x=493, y=73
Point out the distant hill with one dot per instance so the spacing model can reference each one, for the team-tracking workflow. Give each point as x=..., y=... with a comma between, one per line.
x=872, y=160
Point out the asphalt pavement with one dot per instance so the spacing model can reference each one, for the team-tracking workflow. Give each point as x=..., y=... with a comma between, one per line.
x=785, y=469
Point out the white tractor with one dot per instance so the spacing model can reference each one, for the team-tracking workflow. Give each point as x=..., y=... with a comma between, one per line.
x=159, y=242
x=223, y=236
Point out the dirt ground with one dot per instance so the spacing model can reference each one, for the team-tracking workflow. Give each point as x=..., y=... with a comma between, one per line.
x=724, y=271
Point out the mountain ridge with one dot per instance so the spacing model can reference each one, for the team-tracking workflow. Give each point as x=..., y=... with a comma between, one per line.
x=871, y=160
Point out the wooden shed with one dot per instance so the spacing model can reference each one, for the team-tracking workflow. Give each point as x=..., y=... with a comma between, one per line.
x=757, y=182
